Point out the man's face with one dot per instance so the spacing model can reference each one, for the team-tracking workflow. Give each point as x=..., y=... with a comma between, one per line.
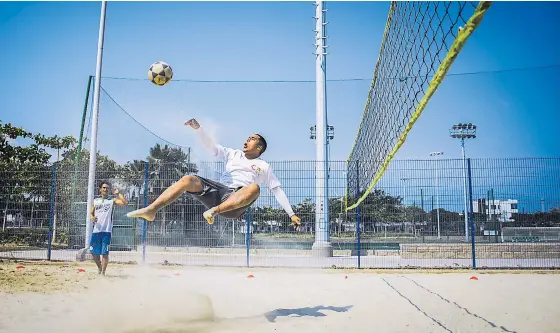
x=104, y=190
x=251, y=144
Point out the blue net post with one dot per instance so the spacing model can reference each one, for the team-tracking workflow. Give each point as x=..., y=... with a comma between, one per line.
x=358, y=215
x=51, y=211
x=248, y=234
x=145, y=225
x=471, y=214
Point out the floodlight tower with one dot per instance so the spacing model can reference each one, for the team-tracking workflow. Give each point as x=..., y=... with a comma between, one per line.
x=322, y=246
x=462, y=132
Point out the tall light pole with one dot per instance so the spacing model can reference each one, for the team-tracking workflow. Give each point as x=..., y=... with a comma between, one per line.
x=93, y=143
x=462, y=132
x=322, y=246
x=437, y=154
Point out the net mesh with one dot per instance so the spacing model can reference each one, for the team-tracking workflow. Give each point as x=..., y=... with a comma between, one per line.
x=421, y=41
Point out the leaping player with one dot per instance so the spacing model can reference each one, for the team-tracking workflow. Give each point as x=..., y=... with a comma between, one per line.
x=238, y=188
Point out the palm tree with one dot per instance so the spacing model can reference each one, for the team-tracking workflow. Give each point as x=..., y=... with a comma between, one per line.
x=133, y=175
x=166, y=166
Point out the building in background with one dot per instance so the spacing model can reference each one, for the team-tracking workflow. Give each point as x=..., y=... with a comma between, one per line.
x=499, y=210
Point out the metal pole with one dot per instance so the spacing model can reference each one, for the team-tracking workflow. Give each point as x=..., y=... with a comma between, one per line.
x=79, y=150
x=93, y=146
x=51, y=210
x=84, y=114
x=471, y=215
x=321, y=246
x=404, y=197
x=145, y=225
x=437, y=199
x=492, y=209
x=358, y=215
x=248, y=235
x=465, y=191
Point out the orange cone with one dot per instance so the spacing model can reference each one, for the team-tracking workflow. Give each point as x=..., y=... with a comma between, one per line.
x=18, y=267
x=251, y=276
x=474, y=278
x=81, y=270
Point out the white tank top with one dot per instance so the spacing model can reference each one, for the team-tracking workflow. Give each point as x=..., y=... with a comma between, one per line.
x=104, y=214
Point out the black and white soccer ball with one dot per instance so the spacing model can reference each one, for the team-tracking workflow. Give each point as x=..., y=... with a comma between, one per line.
x=160, y=73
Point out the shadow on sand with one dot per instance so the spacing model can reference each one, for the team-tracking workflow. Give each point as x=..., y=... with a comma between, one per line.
x=208, y=325
x=304, y=312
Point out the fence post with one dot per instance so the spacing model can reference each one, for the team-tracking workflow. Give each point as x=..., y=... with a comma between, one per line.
x=145, y=225
x=471, y=214
x=248, y=234
x=358, y=215
x=51, y=211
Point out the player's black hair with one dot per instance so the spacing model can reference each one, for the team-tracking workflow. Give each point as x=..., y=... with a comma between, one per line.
x=263, y=143
x=101, y=182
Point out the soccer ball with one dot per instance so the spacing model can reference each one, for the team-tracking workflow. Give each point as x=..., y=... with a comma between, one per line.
x=160, y=73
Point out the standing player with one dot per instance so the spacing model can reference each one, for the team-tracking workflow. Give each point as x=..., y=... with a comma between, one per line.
x=238, y=188
x=102, y=217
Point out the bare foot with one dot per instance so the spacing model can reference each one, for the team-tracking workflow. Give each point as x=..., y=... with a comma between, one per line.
x=209, y=216
x=143, y=213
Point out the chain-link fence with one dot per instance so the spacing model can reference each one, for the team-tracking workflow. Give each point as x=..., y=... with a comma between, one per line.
x=414, y=217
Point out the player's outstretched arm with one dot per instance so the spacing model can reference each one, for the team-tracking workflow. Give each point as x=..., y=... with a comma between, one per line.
x=207, y=141
x=285, y=203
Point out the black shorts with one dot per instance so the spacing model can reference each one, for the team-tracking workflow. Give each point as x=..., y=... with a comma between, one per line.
x=214, y=193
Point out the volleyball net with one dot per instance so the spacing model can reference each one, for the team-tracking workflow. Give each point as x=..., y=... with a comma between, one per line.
x=420, y=43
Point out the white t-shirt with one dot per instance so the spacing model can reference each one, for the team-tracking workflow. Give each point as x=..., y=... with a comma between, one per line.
x=241, y=171
x=104, y=213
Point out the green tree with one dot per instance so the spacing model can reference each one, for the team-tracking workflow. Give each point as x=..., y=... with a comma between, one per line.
x=25, y=169
x=33, y=154
x=265, y=215
x=72, y=185
x=378, y=207
x=134, y=174
x=166, y=166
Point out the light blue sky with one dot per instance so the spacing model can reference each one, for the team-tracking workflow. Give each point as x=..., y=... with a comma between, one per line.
x=53, y=47
x=50, y=49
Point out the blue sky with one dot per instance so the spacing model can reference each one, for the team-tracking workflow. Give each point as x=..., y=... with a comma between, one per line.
x=53, y=45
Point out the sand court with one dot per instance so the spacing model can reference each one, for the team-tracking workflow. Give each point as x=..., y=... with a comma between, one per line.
x=71, y=297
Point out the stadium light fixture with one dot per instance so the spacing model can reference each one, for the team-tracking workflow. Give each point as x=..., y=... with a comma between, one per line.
x=464, y=131
x=330, y=132
x=313, y=132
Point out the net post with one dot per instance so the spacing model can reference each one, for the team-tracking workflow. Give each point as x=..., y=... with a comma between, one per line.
x=145, y=225
x=51, y=211
x=248, y=235
x=471, y=214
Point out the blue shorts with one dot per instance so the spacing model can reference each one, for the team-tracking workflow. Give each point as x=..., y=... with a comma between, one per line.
x=99, y=244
